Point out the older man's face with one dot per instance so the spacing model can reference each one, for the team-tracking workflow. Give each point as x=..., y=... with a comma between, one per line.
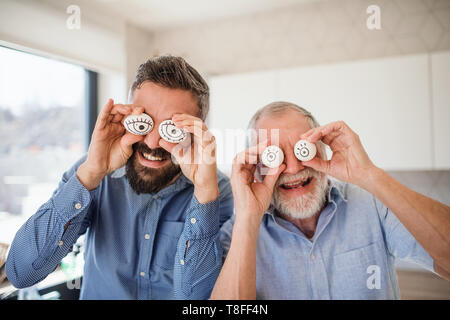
x=300, y=192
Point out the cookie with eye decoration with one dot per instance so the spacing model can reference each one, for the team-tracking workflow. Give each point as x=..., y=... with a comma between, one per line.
x=305, y=150
x=171, y=133
x=138, y=124
x=272, y=156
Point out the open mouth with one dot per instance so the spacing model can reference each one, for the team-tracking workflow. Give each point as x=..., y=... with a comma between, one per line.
x=150, y=157
x=296, y=184
x=152, y=160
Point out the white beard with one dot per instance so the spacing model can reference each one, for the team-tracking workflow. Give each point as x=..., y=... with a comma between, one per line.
x=304, y=206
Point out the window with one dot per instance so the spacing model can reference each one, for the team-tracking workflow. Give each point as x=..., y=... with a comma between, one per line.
x=43, y=131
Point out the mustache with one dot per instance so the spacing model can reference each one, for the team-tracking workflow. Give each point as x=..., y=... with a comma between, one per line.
x=156, y=152
x=302, y=175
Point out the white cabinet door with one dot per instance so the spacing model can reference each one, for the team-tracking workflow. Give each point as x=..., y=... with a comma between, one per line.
x=440, y=63
x=234, y=100
x=386, y=101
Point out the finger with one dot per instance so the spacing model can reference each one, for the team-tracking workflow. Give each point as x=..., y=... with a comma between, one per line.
x=204, y=137
x=119, y=117
x=328, y=139
x=259, y=148
x=137, y=109
x=193, y=122
x=318, y=165
x=166, y=145
x=184, y=116
x=128, y=139
x=251, y=155
x=241, y=161
x=318, y=133
x=103, y=117
x=121, y=109
x=272, y=176
x=178, y=152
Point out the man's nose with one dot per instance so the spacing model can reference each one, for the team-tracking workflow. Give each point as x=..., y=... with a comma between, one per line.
x=152, y=138
x=293, y=165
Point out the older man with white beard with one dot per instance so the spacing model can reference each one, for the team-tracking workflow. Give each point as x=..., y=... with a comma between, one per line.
x=323, y=238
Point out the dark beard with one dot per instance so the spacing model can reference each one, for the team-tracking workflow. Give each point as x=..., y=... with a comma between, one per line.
x=149, y=180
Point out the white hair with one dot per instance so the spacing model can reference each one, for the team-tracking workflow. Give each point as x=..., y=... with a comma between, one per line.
x=278, y=107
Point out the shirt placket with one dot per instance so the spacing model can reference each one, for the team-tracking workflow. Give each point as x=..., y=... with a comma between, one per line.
x=147, y=239
x=318, y=271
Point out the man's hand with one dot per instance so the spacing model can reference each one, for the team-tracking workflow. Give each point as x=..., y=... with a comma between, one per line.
x=196, y=157
x=349, y=162
x=237, y=279
x=111, y=144
x=252, y=197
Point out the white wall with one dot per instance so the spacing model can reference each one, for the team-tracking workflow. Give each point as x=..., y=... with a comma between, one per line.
x=387, y=101
x=313, y=33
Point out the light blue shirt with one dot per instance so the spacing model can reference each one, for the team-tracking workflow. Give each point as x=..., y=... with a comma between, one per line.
x=149, y=246
x=351, y=255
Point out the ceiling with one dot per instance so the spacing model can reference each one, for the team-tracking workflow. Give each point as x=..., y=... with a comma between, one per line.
x=163, y=14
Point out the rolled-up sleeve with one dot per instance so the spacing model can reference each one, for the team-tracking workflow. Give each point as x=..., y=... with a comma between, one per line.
x=199, y=253
x=47, y=236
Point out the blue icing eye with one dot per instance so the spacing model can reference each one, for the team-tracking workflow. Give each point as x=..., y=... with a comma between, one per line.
x=139, y=124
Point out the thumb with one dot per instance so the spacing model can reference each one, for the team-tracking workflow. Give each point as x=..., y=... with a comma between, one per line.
x=272, y=176
x=128, y=139
x=318, y=164
x=176, y=150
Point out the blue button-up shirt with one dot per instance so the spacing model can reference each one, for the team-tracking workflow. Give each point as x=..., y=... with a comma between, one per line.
x=150, y=246
x=351, y=255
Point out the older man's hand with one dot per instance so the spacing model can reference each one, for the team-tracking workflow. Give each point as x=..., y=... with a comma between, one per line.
x=349, y=162
x=251, y=196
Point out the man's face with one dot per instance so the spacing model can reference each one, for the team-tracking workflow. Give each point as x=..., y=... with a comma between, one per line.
x=150, y=168
x=300, y=192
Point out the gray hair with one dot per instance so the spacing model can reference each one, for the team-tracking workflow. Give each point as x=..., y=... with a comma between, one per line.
x=278, y=107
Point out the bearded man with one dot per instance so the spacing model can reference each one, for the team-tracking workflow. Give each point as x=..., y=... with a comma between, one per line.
x=323, y=238
x=151, y=220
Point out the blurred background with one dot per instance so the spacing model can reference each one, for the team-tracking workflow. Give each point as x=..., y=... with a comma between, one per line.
x=382, y=66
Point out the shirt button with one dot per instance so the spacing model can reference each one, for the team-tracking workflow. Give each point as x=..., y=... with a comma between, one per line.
x=142, y=274
x=155, y=197
x=182, y=262
x=60, y=243
x=77, y=205
x=147, y=236
x=313, y=256
x=193, y=220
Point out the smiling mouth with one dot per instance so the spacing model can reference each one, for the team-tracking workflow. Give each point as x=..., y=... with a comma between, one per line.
x=296, y=184
x=148, y=156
